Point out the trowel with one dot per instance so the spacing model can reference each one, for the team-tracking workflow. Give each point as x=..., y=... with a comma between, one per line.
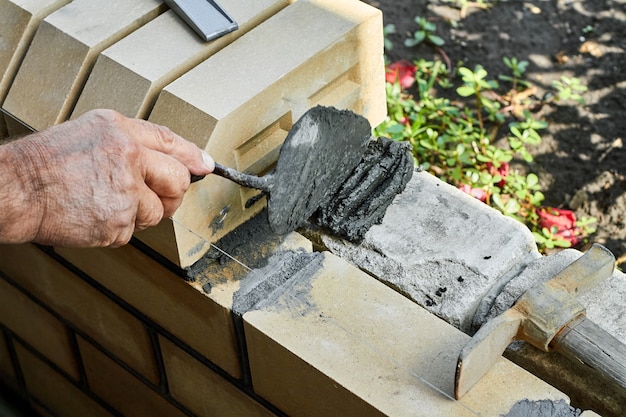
x=318, y=155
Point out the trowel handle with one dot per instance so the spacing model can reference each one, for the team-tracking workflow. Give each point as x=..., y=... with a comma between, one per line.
x=245, y=180
x=583, y=341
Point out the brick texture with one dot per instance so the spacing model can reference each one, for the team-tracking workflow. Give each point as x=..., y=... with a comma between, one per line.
x=165, y=298
x=202, y=390
x=37, y=327
x=50, y=388
x=119, y=388
x=84, y=306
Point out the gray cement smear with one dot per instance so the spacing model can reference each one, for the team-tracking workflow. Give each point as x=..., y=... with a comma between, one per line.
x=543, y=408
x=440, y=247
x=262, y=286
x=364, y=197
x=320, y=152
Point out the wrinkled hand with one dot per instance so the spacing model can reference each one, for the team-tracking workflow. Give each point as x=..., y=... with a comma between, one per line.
x=95, y=180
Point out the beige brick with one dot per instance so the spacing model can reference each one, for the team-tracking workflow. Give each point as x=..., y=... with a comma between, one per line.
x=119, y=388
x=50, y=388
x=37, y=327
x=6, y=366
x=240, y=103
x=342, y=343
x=18, y=21
x=81, y=304
x=129, y=75
x=15, y=128
x=63, y=51
x=203, y=391
x=165, y=298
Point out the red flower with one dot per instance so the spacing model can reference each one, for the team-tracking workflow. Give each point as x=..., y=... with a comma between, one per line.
x=477, y=193
x=401, y=71
x=563, y=220
x=503, y=170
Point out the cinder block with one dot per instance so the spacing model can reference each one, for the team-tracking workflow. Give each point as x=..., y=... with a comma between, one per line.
x=63, y=52
x=338, y=342
x=240, y=103
x=203, y=391
x=119, y=388
x=165, y=298
x=49, y=387
x=81, y=304
x=7, y=372
x=18, y=21
x=446, y=254
x=37, y=327
x=129, y=75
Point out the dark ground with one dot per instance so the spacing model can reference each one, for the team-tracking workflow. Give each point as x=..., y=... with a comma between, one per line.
x=581, y=160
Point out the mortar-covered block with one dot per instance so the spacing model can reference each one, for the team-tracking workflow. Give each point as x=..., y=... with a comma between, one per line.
x=63, y=52
x=441, y=248
x=129, y=75
x=240, y=103
x=336, y=341
x=81, y=304
x=18, y=21
x=49, y=387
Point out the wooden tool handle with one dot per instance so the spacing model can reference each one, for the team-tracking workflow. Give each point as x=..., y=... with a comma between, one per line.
x=583, y=341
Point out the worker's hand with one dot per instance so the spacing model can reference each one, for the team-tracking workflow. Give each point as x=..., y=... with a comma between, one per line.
x=95, y=180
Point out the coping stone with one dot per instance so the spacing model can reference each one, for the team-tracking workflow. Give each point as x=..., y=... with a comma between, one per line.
x=129, y=75
x=441, y=248
x=63, y=52
x=327, y=52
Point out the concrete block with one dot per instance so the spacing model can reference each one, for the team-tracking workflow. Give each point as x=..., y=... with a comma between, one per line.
x=120, y=389
x=49, y=387
x=426, y=247
x=338, y=342
x=19, y=20
x=203, y=391
x=7, y=373
x=81, y=304
x=240, y=103
x=37, y=327
x=63, y=52
x=165, y=298
x=129, y=75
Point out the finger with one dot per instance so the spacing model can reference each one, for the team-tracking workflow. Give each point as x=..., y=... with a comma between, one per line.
x=160, y=138
x=164, y=175
x=149, y=209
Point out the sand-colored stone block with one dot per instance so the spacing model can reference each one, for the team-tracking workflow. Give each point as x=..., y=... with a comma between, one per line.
x=129, y=75
x=202, y=390
x=37, y=327
x=52, y=389
x=341, y=343
x=240, y=103
x=114, y=328
x=119, y=388
x=63, y=52
x=19, y=20
x=165, y=298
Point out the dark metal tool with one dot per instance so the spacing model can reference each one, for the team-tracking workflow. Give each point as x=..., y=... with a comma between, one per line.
x=320, y=151
x=549, y=317
x=206, y=17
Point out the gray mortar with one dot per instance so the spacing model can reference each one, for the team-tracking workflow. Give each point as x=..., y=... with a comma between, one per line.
x=362, y=200
x=542, y=408
x=269, y=282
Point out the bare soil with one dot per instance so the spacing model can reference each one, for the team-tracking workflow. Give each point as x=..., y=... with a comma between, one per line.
x=581, y=160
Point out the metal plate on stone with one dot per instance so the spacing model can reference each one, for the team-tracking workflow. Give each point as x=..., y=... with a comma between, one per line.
x=206, y=17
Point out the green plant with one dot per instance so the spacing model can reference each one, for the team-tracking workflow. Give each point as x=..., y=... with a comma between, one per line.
x=388, y=30
x=425, y=33
x=471, y=141
x=569, y=88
